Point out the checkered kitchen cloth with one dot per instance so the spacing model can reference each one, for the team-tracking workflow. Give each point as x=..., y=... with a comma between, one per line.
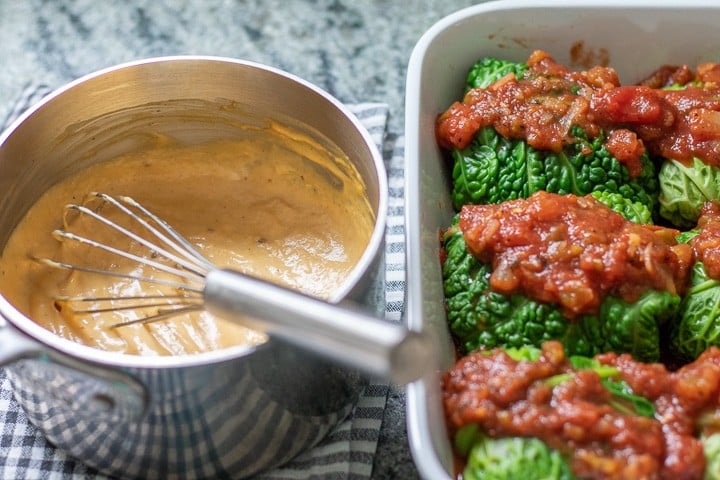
x=348, y=450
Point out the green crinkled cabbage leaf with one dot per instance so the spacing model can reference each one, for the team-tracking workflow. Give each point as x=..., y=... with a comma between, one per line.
x=488, y=70
x=698, y=326
x=634, y=211
x=624, y=327
x=481, y=318
x=711, y=447
x=512, y=458
x=493, y=169
x=684, y=190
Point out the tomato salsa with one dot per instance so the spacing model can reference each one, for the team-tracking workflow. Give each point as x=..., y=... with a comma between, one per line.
x=572, y=251
x=543, y=105
x=706, y=244
x=507, y=397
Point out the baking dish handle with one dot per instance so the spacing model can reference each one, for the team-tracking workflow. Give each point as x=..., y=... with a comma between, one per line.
x=105, y=390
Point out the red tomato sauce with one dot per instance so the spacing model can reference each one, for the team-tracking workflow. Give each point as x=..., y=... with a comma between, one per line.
x=542, y=106
x=506, y=397
x=572, y=251
x=706, y=244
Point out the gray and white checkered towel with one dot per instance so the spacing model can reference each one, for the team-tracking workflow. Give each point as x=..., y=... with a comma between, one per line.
x=347, y=452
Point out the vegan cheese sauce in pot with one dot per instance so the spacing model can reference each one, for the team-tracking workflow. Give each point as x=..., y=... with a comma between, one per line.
x=277, y=205
x=266, y=174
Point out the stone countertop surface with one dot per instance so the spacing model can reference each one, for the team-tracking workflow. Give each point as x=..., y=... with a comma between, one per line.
x=357, y=50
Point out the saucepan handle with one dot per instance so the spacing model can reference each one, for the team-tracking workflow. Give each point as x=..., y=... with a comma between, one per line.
x=338, y=332
x=100, y=389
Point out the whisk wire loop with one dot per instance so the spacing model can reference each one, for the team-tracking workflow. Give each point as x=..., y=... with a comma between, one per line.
x=183, y=246
x=180, y=272
x=163, y=306
x=170, y=253
x=162, y=314
x=192, y=261
x=130, y=276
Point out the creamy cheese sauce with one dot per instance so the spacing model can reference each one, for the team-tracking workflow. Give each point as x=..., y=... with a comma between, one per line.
x=279, y=207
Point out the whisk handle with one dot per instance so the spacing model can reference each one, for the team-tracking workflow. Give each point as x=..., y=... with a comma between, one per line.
x=339, y=333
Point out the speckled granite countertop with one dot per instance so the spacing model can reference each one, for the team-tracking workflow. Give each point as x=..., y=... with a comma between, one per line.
x=356, y=50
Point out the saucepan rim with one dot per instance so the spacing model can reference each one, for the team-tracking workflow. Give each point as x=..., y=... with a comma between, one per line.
x=362, y=268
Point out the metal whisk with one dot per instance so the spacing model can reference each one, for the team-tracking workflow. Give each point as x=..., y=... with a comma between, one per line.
x=340, y=333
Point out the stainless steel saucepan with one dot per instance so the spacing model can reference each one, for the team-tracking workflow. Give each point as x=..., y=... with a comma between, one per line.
x=227, y=413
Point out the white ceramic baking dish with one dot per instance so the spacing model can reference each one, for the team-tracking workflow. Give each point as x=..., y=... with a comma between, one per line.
x=633, y=36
